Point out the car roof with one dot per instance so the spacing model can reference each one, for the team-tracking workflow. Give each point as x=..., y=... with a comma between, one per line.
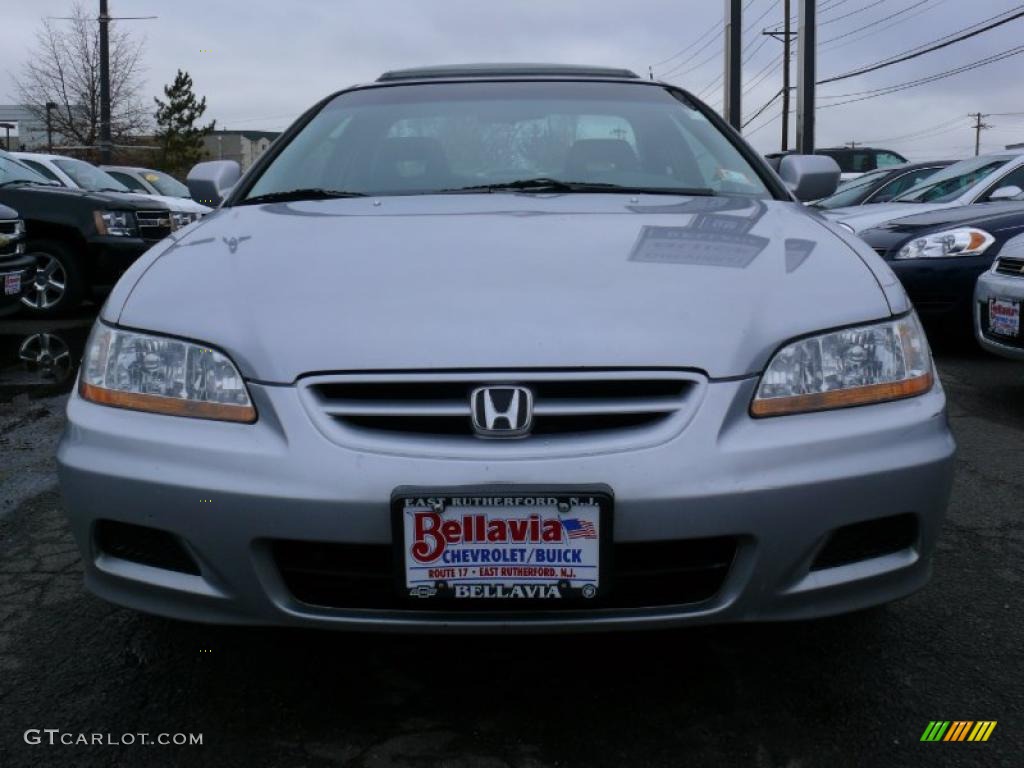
x=505, y=70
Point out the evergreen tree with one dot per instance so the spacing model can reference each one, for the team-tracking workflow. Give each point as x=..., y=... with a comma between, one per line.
x=180, y=139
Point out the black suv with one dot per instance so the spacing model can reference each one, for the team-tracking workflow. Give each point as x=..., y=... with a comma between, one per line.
x=81, y=240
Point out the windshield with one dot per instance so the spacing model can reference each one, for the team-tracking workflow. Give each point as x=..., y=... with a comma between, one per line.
x=88, y=176
x=851, y=192
x=164, y=184
x=13, y=171
x=949, y=183
x=425, y=139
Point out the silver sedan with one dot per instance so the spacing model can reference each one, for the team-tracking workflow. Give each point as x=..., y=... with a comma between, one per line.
x=516, y=349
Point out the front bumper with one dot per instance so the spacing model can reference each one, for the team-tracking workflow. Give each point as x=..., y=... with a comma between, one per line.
x=16, y=274
x=994, y=286
x=942, y=289
x=777, y=485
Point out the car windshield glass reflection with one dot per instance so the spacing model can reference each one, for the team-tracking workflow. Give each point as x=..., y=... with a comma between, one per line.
x=448, y=138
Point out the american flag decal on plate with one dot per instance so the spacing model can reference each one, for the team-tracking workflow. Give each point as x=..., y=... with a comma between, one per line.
x=579, y=530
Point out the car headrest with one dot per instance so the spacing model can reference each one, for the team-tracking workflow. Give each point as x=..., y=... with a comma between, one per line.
x=597, y=156
x=417, y=161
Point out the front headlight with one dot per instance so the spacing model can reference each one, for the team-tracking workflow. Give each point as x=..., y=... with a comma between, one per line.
x=854, y=366
x=966, y=241
x=119, y=223
x=144, y=372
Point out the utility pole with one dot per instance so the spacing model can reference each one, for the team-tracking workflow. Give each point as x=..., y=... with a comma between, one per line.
x=978, y=128
x=50, y=106
x=733, y=76
x=853, y=144
x=105, y=140
x=785, y=36
x=807, y=55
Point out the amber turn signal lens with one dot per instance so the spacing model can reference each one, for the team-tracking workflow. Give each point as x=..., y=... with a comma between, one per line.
x=170, y=406
x=843, y=398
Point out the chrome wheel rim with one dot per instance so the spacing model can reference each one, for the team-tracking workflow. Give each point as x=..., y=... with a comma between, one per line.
x=49, y=285
x=47, y=351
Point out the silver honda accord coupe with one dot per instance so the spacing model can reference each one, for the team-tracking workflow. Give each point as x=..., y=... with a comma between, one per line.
x=519, y=348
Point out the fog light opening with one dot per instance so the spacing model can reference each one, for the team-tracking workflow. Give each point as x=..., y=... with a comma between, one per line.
x=866, y=540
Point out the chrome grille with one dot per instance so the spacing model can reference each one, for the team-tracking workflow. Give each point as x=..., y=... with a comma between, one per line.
x=430, y=413
x=10, y=238
x=1006, y=265
x=154, y=225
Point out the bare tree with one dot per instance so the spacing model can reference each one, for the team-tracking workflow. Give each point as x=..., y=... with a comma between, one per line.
x=64, y=68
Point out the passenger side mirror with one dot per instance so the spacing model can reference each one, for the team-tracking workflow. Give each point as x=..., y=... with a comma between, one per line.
x=209, y=183
x=809, y=177
x=1006, y=193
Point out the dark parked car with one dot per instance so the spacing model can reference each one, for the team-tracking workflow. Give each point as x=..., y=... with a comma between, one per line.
x=938, y=255
x=16, y=268
x=880, y=186
x=81, y=240
x=853, y=162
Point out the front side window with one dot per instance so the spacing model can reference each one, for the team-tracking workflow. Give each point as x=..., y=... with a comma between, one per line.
x=888, y=160
x=453, y=137
x=88, y=176
x=13, y=172
x=852, y=191
x=947, y=185
x=42, y=170
x=901, y=184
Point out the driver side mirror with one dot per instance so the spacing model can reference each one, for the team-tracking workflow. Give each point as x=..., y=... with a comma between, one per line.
x=210, y=182
x=809, y=177
x=1006, y=193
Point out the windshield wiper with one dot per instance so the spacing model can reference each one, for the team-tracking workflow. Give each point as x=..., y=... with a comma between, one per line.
x=545, y=184
x=312, y=193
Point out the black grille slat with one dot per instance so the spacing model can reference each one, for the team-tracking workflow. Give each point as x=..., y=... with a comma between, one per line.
x=154, y=225
x=564, y=403
x=642, y=575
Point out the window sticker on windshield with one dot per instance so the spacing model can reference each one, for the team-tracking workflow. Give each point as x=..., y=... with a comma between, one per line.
x=151, y=177
x=731, y=176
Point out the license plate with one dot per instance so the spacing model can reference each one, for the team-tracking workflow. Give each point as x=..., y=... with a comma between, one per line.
x=12, y=284
x=502, y=545
x=1004, y=317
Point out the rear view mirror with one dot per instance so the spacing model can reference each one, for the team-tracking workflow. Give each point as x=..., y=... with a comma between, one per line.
x=809, y=177
x=1006, y=193
x=209, y=183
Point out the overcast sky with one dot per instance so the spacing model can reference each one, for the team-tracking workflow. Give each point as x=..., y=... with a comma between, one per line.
x=268, y=61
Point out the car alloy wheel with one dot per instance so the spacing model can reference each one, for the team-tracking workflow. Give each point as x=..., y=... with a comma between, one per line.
x=49, y=285
x=47, y=352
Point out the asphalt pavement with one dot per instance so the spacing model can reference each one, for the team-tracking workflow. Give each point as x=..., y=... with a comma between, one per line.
x=856, y=690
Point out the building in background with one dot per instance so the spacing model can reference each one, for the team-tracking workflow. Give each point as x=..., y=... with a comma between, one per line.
x=244, y=147
x=28, y=132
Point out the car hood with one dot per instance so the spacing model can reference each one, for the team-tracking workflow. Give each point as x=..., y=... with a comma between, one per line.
x=501, y=281
x=977, y=215
x=862, y=217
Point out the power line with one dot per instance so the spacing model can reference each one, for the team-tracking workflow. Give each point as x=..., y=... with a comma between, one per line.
x=924, y=80
x=914, y=53
x=876, y=22
x=851, y=13
x=762, y=108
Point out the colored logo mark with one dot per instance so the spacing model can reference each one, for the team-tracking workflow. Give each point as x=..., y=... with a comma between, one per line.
x=958, y=730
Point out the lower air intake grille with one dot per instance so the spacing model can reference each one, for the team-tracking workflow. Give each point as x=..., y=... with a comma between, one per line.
x=644, y=574
x=141, y=544
x=1013, y=267
x=862, y=541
